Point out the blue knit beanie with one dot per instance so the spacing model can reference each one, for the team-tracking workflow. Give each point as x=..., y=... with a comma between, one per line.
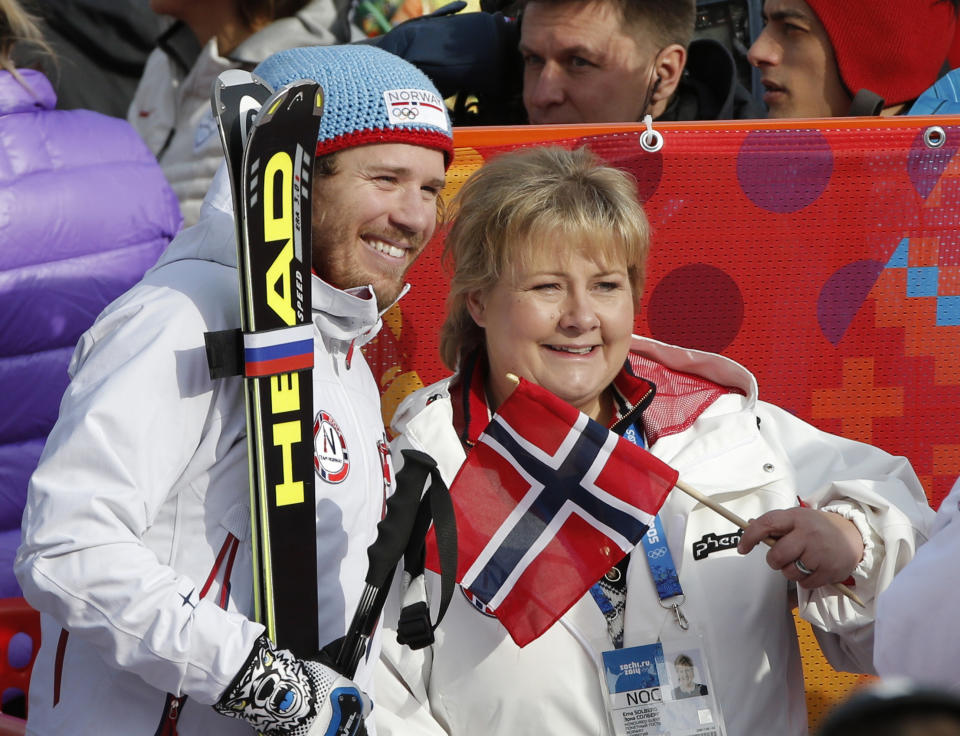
x=369, y=96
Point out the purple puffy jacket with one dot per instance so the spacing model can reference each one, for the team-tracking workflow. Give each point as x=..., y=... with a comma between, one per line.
x=84, y=211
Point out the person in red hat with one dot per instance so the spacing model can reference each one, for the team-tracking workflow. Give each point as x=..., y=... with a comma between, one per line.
x=823, y=58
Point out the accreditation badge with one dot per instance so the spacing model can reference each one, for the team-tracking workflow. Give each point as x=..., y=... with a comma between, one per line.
x=661, y=689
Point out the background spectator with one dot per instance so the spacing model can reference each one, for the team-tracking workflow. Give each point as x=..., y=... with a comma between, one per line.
x=823, y=58
x=100, y=46
x=577, y=61
x=916, y=634
x=171, y=107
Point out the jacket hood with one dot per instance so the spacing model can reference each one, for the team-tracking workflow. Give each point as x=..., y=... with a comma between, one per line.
x=213, y=238
x=711, y=366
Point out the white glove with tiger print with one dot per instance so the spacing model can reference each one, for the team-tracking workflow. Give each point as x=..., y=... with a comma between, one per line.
x=277, y=693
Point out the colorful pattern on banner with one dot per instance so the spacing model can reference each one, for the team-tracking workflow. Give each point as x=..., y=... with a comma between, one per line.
x=823, y=255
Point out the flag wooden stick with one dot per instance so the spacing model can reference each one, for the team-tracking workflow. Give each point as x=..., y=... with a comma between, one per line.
x=769, y=541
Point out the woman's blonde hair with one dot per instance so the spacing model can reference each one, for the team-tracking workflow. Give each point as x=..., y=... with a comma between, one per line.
x=18, y=26
x=517, y=201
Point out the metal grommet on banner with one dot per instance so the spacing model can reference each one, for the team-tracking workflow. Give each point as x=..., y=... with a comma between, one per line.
x=651, y=140
x=934, y=136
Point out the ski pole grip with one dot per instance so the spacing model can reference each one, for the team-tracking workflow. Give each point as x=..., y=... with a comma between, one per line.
x=393, y=531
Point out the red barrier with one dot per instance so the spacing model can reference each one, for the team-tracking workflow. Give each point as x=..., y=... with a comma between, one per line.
x=19, y=643
x=822, y=255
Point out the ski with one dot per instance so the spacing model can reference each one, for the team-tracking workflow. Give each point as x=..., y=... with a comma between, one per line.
x=272, y=191
x=237, y=97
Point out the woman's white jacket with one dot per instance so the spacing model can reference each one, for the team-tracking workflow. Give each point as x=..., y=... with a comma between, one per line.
x=750, y=456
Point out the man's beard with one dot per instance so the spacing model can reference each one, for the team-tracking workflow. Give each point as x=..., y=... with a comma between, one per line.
x=338, y=264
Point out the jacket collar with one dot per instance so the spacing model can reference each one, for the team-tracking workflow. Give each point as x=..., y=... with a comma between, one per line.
x=14, y=98
x=348, y=315
x=688, y=383
x=468, y=398
x=181, y=46
x=471, y=413
x=670, y=387
x=313, y=25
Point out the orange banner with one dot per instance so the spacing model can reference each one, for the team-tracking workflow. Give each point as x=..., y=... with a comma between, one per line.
x=824, y=255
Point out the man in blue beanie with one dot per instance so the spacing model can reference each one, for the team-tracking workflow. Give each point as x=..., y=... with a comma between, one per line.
x=136, y=536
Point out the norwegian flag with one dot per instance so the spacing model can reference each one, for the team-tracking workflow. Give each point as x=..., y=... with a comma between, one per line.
x=546, y=502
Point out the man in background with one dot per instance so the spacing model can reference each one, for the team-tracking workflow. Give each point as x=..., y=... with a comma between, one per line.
x=576, y=61
x=822, y=58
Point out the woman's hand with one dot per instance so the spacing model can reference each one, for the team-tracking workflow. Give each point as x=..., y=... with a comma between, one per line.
x=826, y=544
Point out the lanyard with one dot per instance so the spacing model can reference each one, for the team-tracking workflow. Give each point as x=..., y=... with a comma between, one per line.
x=660, y=561
x=658, y=557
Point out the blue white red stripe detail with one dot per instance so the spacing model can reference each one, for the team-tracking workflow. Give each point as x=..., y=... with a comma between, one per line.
x=415, y=103
x=278, y=351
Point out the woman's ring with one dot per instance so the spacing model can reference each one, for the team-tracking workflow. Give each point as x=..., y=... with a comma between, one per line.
x=798, y=563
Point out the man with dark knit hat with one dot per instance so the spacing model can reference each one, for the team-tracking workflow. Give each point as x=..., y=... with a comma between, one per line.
x=136, y=536
x=828, y=58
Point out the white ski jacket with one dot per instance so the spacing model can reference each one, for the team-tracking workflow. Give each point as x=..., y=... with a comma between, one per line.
x=752, y=457
x=144, y=477
x=916, y=634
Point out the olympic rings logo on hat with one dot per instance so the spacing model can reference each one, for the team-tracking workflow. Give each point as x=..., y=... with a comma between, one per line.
x=415, y=108
x=405, y=112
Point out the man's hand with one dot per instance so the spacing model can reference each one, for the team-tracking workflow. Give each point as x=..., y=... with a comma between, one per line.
x=826, y=544
x=279, y=694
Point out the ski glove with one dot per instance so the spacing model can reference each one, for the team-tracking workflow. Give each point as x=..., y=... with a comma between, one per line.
x=277, y=693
